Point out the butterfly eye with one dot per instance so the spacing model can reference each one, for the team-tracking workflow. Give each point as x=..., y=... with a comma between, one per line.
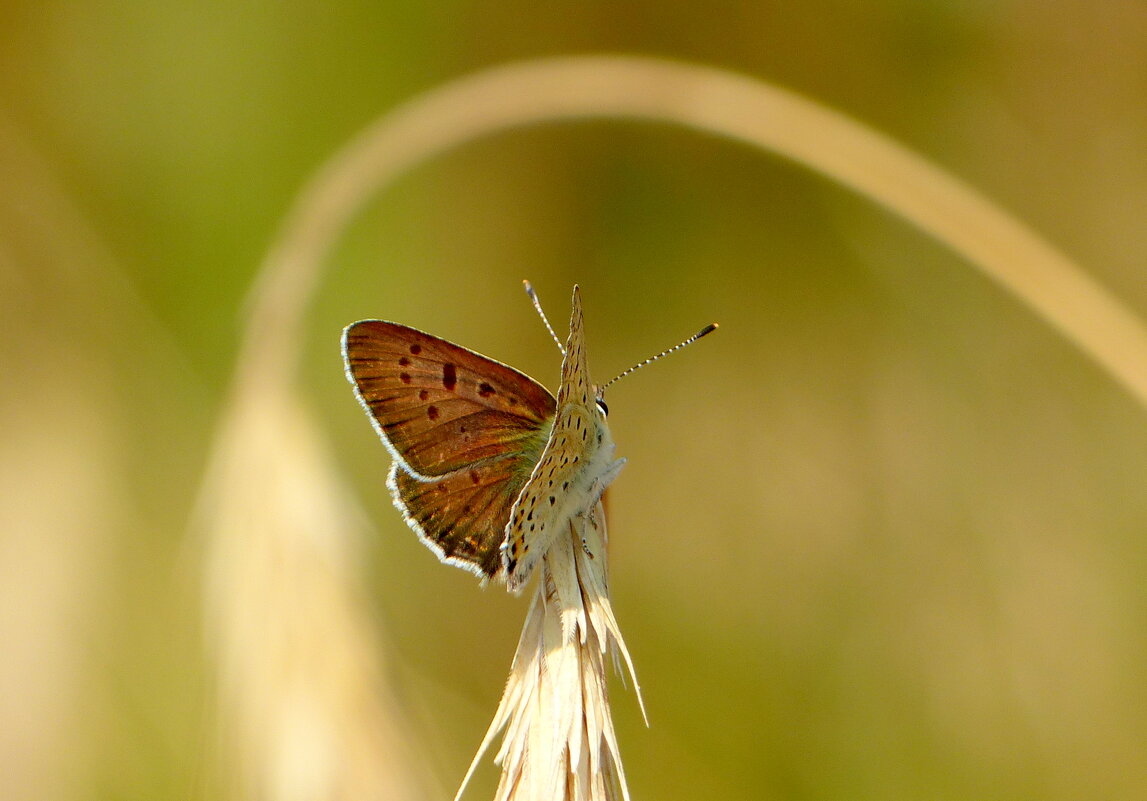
x=604, y=409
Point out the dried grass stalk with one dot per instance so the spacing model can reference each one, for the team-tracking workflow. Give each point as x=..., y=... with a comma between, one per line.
x=761, y=115
x=559, y=742
x=303, y=705
x=559, y=739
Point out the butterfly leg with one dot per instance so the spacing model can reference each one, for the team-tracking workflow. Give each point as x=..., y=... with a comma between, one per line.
x=597, y=489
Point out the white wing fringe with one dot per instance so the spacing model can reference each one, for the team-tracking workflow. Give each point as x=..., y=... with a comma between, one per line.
x=559, y=742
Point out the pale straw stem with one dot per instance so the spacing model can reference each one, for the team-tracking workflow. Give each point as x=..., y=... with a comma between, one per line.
x=706, y=99
x=717, y=102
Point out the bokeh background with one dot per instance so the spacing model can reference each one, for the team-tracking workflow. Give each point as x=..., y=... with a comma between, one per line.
x=880, y=537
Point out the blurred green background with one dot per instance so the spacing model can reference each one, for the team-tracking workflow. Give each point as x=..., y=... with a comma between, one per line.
x=880, y=537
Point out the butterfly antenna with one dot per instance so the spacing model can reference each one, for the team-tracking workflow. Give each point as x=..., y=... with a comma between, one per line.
x=538, y=305
x=709, y=329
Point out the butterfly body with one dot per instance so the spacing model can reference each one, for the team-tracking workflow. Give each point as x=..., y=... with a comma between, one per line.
x=488, y=466
x=574, y=469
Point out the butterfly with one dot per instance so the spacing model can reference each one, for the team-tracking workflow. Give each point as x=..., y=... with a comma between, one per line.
x=489, y=467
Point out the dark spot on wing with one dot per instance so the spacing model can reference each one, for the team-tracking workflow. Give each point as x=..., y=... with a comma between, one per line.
x=404, y=377
x=475, y=477
x=449, y=377
x=416, y=349
x=432, y=412
x=485, y=390
x=404, y=362
x=552, y=500
x=423, y=394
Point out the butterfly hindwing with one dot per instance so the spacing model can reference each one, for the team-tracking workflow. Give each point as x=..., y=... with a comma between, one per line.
x=558, y=489
x=461, y=516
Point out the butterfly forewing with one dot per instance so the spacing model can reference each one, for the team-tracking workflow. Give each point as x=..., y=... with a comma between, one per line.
x=465, y=432
x=576, y=387
x=440, y=407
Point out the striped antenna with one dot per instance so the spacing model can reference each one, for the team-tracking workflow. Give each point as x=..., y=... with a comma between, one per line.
x=538, y=305
x=709, y=329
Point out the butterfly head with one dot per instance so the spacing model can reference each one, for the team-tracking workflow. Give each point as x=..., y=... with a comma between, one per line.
x=599, y=401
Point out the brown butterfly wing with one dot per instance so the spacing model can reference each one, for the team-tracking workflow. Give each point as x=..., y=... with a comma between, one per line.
x=465, y=432
x=462, y=517
x=440, y=407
